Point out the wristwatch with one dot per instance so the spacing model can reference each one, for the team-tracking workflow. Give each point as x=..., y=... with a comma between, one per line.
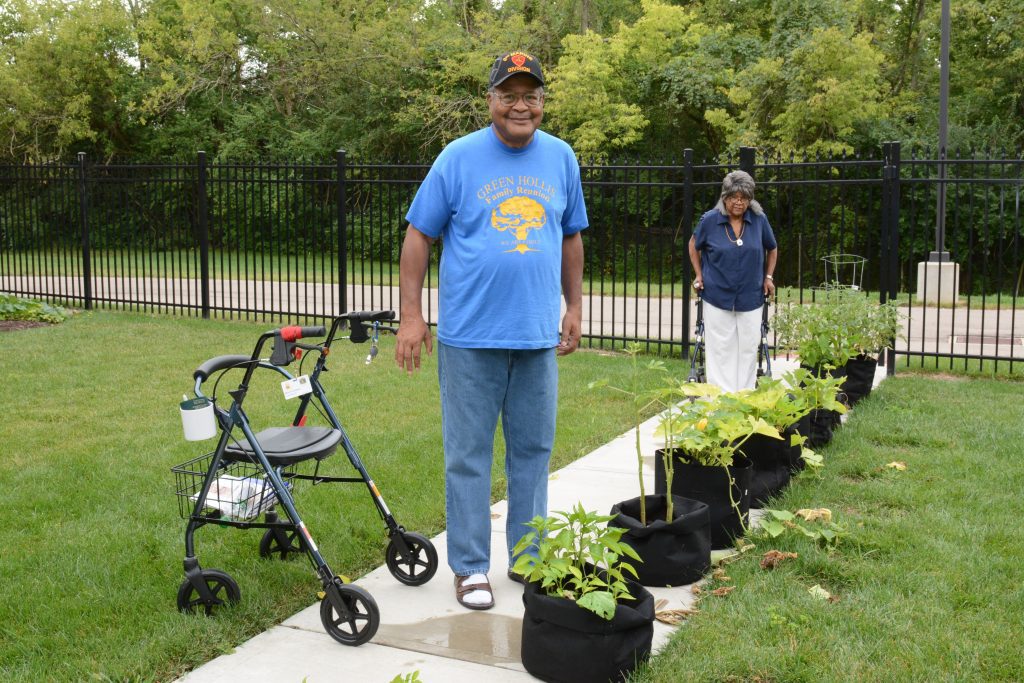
x=770, y=278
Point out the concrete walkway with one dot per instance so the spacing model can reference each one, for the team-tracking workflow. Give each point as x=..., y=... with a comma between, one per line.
x=423, y=628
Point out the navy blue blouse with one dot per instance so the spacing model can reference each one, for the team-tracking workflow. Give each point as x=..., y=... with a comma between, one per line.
x=733, y=274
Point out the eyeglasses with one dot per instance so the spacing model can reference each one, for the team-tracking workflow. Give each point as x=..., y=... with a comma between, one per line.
x=738, y=199
x=509, y=99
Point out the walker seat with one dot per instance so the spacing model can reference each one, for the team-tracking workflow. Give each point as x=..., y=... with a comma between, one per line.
x=288, y=445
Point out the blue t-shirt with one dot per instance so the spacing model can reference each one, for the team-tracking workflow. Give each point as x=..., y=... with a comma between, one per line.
x=733, y=274
x=501, y=213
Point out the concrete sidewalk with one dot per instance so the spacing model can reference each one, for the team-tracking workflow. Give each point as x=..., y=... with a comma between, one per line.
x=423, y=628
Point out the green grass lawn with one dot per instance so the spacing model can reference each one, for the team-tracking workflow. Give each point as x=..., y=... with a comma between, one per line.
x=928, y=583
x=92, y=539
x=928, y=579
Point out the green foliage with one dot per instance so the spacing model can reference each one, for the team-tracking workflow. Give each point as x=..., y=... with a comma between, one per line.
x=812, y=100
x=303, y=78
x=413, y=677
x=774, y=523
x=710, y=429
x=16, y=308
x=578, y=558
x=890, y=619
x=841, y=324
x=643, y=401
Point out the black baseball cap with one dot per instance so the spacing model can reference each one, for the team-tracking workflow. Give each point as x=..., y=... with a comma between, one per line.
x=512, y=63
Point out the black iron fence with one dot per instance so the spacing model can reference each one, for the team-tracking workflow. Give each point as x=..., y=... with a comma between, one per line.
x=274, y=241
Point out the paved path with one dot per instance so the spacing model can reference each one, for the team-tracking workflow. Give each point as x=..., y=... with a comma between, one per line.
x=926, y=330
x=423, y=629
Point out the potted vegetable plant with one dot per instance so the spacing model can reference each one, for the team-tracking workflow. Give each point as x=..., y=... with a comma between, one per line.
x=782, y=403
x=819, y=332
x=670, y=533
x=841, y=333
x=770, y=458
x=706, y=434
x=585, y=619
x=823, y=394
x=877, y=326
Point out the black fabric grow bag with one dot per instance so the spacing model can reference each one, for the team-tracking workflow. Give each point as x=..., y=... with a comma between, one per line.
x=770, y=459
x=793, y=453
x=818, y=426
x=564, y=643
x=710, y=484
x=860, y=377
x=674, y=553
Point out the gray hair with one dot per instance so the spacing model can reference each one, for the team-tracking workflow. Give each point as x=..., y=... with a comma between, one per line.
x=738, y=182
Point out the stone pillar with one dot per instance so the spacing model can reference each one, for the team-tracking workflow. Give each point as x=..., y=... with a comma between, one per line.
x=938, y=281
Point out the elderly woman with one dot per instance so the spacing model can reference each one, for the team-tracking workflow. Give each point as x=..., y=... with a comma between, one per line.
x=733, y=252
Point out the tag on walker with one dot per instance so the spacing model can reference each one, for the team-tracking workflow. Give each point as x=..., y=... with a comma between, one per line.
x=296, y=387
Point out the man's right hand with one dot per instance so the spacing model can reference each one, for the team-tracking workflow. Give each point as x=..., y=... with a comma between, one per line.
x=412, y=335
x=698, y=284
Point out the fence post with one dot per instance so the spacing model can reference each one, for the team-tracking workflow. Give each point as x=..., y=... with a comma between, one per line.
x=889, y=289
x=747, y=159
x=342, y=238
x=204, y=231
x=83, y=224
x=883, y=270
x=688, y=232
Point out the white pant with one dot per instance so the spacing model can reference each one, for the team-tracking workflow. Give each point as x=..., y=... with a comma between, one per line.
x=730, y=346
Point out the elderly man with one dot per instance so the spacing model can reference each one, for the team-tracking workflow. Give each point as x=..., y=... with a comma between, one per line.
x=507, y=203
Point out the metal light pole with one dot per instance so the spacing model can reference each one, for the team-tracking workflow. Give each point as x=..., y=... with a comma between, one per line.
x=940, y=253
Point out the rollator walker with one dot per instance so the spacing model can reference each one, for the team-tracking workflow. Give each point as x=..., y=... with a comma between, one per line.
x=698, y=361
x=257, y=474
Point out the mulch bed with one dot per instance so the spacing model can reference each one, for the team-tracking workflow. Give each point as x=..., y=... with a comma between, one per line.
x=15, y=325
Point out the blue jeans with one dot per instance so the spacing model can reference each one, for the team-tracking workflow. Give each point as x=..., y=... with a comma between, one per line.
x=476, y=386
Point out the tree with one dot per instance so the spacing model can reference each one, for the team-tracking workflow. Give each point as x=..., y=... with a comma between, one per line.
x=814, y=100
x=66, y=82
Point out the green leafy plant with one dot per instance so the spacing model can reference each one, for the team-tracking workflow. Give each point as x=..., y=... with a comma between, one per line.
x=840, y=324
x=642, y=402
x=16, y=308
x=413, y=677
x=774, y=523
x=710, y=429
x=578, y=558
x=784, y=401
x=816, y=392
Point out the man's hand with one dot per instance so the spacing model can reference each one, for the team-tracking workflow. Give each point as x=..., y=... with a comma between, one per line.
x=412, y=335
x=413, y=332
x=769, y=286
x=572, y=329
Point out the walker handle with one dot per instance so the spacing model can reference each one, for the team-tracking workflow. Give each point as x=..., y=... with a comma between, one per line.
x=293, y=332
x=219, y=363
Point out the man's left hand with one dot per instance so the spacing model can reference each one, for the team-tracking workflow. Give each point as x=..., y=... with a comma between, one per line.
x=571, y=331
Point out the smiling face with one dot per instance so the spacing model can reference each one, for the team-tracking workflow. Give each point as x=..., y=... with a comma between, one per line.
x=515, y=123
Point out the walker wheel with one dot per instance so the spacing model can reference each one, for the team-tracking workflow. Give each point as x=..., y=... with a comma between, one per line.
x=419, y=566
x=270, y=545
x=221, y=585
x=361, y=618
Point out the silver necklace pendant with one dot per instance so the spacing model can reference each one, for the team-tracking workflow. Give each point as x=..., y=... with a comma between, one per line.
x=739, y=241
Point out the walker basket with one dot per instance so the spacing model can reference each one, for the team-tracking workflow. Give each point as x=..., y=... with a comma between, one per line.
x=240, y=490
